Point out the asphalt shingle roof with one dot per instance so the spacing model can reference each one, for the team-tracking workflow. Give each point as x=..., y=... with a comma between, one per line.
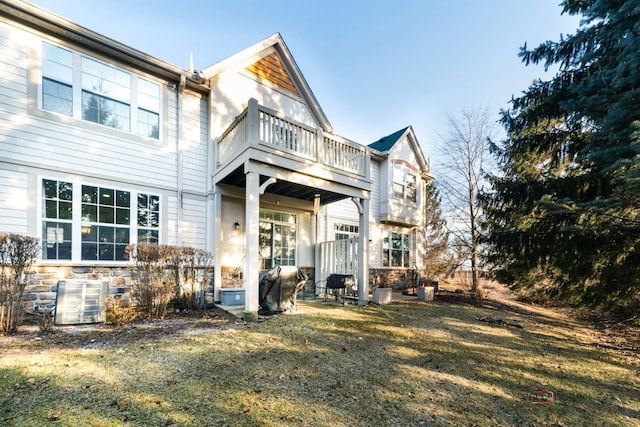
x=386, y=142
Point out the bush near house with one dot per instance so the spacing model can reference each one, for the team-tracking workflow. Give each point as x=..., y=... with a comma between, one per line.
x=17, y=255
x=165, y=275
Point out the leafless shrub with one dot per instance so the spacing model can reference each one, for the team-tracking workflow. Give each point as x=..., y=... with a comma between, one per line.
x=194, y=266
x=45, y=322
x=151, y=286
x=17, y=255
x=120, y=312
x=165, y=273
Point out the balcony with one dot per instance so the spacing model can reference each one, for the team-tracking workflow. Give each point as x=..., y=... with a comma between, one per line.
x=267, y=136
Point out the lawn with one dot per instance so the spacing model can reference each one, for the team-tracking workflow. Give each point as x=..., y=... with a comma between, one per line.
x=443, y=363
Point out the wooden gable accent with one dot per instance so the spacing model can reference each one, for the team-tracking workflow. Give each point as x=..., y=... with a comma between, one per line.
x=270, y=68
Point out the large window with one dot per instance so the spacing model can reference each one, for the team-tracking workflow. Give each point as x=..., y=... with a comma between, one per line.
x=106, y=220
x=106, y=217
x=107, y=95
x=277, y=238
x=404, y=185
x=395, y=249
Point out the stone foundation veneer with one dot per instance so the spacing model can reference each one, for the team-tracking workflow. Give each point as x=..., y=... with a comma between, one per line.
x=42, y=286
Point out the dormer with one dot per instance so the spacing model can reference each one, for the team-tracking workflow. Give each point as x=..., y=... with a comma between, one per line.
x=404, y=171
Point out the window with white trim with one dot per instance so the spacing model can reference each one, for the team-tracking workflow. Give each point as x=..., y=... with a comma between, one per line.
x=277, y=238
x=57, y=219
x=106, y=95
x=404, y=185
x=148, y=218
x=102, y=220
x=345, y=231
x=57, y=80
x=106, y=220
x=396, y=249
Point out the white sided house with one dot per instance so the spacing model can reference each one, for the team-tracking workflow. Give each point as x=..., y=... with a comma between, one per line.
x=103, y=146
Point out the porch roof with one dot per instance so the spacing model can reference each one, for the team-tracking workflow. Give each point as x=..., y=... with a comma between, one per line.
x=295, y=190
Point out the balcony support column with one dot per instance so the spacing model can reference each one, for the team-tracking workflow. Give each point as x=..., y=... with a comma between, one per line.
x=252, y=245
x=363, y=250
x=216, y=232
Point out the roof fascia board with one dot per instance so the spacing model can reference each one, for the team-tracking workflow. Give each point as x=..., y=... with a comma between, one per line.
x=411, y=136
x=34, y=17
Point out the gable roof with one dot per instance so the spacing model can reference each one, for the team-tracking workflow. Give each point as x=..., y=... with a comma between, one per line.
x=271, y=60
x=386, y=143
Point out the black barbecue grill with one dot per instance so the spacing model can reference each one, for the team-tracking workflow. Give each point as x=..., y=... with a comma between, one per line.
x=339, y=284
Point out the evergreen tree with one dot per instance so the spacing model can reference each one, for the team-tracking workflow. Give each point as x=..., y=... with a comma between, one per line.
x=563, y=211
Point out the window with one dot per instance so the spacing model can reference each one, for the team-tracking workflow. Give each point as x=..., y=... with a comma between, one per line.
x=106, y=220
x=395, y=250
x=106, y=216
x=404, y=185
x=148, y=109
x=108, y=95
x=57, y=76
x=277, y=238
x=345, y=231
x=148, y=218
x=57, y=213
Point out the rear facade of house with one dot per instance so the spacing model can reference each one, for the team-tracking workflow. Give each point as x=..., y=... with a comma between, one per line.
x=103, y=146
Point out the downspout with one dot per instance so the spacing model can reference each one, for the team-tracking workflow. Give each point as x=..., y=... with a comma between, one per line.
x=181, y=86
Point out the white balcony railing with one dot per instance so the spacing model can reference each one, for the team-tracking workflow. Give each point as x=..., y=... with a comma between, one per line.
x=259, y=125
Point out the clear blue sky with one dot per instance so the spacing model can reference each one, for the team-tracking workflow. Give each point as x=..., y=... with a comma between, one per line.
x=375, y=66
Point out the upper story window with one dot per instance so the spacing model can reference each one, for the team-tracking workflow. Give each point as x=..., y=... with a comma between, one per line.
x=404, y=185
x=57, y=80
x=99, y=92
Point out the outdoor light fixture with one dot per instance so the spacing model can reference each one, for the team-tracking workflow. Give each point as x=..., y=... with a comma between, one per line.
x=236, y=226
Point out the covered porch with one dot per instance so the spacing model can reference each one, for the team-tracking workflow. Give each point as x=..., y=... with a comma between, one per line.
x=263, y=155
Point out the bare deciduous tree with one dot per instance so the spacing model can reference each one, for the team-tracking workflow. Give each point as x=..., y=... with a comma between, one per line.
x=465, y=155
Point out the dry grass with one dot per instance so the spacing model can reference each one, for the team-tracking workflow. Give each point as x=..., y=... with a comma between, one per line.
x=407, y=364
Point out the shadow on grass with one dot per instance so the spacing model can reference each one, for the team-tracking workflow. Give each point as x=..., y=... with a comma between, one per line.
x=410, y=363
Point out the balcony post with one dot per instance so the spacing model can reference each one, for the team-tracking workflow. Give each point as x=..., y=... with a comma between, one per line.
x=320, y=146
x=252, y=246
x=253, y=122
x=363, y=253
x=367, y=162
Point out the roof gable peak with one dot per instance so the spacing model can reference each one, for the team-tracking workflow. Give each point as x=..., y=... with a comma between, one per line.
x=271, y=60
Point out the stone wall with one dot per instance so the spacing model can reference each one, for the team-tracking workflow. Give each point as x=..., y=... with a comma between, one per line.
x=395, y=278
x=41, y=288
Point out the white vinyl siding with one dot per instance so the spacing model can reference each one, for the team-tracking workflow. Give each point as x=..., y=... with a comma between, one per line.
x=194, y=154
x=13, y=69
x=13, y=202
x=375, y=247
x=193, y=227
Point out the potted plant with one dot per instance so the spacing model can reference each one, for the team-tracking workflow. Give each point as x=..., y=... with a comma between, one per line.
x=381, y=291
